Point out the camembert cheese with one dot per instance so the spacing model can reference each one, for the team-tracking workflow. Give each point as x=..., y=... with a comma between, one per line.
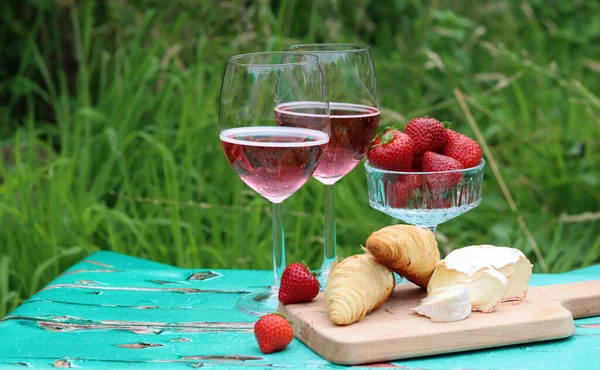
x=487, y=288
x=446, y=304
x=466, y=263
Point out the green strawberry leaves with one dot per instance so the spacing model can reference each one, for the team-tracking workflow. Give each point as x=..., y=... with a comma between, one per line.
x=446, y=124
x=386, y=131
x=385, y=136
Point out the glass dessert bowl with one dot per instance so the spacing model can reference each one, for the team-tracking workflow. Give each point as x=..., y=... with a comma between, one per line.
x=425, y=199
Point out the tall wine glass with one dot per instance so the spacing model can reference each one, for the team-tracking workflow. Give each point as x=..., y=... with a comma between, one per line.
x=274, y=128
x=354, y=110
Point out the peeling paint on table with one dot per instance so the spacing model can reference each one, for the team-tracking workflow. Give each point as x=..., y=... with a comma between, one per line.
x=112, y=311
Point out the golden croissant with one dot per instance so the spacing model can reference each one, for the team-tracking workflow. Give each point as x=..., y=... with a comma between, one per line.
x=356, y=286
x=410, y=251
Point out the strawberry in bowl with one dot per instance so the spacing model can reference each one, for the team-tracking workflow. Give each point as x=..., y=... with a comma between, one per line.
x=440, y=179
x=392, y=150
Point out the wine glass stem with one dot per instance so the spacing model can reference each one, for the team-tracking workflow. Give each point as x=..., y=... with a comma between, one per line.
x=329, y=249
x=432, y=228
x=278, y=246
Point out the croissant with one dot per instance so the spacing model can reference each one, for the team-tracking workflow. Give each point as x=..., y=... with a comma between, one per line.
x=410, y=251
x=356, y=286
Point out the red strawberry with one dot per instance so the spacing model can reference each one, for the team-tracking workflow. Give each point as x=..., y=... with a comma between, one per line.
x=401, y=192
x=392, y=151
x=462, y=148
x=297, y=284
x=438, y=201
x=427, y=134
x=433, y=162
x=417, y=163
x=273, y=333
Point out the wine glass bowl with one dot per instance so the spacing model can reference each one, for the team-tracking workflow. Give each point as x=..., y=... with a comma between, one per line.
x=425, y=199
x=353, y=127
x=353, y=99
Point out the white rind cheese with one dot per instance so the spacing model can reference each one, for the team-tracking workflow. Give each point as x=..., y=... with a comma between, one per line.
x=446, y=304
x=487, y=288
x=463, y=264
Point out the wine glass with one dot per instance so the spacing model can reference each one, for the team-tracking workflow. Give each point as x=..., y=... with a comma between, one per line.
x=274, y=128
x=354, y=112
x=425, y=199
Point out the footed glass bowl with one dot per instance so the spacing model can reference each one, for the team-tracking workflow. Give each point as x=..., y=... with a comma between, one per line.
x=425, y=199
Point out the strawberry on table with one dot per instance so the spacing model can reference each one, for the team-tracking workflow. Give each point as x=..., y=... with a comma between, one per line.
x=462, y=148
x=427, y=134
x=273, y=333
x=297, y=284
x=392, y=151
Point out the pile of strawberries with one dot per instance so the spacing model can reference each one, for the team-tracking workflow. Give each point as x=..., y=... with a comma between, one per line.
x=424, y=146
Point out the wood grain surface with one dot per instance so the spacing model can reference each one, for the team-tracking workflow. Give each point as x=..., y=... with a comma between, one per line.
x=395, y=332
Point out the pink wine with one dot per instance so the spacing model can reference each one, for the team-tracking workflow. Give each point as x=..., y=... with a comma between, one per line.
x=353, y=127
x=274, y=161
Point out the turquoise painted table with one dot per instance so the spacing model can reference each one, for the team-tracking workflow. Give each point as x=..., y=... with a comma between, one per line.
x=112, y=311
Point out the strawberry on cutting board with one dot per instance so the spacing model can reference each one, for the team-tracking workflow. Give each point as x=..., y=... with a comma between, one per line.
x=297, y=284
x=392, y=151
x=462, y=148
x=427, y=134
x=273, y=333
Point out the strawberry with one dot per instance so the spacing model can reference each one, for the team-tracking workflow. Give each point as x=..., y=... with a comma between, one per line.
x=462, y=148
x=273, y=333
x=427, y=134
x=392, y=151
x=402, y=190
x=433, y=162
x=417, y=163
x=297, y=284
x=438, y=201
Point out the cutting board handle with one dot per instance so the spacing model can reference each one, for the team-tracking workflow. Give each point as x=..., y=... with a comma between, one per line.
x=582, y=299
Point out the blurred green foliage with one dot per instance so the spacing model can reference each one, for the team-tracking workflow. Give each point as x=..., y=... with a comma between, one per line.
x=109, y=137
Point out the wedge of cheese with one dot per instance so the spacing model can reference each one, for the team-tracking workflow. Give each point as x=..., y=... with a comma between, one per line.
x=487, y=288
x=446, y=304
x=465, y=263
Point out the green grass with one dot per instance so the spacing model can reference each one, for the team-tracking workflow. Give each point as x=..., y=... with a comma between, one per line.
x=109, y=136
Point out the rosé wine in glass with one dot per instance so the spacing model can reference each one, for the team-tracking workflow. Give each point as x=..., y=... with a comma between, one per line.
x=353, y=127
x=274, y=161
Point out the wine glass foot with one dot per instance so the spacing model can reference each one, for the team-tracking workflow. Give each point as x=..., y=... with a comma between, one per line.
x=259, y=303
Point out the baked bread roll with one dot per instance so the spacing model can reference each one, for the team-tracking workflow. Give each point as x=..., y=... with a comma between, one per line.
x=356, y=286
x=410, y=251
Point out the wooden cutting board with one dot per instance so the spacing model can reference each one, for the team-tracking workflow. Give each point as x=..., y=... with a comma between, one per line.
x=394, y=331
